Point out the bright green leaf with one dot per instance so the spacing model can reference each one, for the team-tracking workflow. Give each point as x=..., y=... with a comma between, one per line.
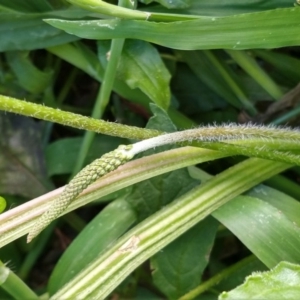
x=141, y=67
x=262, y=228
x=285, y=203
x=273, y=29
x=2, y=204
x=96, y=237
x=178, y=267
x=283, y=282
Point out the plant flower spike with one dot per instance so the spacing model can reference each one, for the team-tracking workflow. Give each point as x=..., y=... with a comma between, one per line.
x=112, y=160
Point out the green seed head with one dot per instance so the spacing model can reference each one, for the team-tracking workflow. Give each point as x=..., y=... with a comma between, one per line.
x=105, y=164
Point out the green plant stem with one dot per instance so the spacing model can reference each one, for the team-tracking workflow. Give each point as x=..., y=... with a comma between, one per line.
x=33, y=255
x=286, y=117
x=74, y=120
x=285, y=185
x=260, y=152
x=101, y=101
x=231, y=83
x=211, y=133
x=103, y=95
x=251, y=67
x=86, y=60
x=14, y=286
x=67, y=86
x=217, y=278
x=74, y=221
x=151, y=235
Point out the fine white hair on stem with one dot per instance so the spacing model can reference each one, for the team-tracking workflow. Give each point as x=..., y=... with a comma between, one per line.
x=218, y=133
x=112, y=160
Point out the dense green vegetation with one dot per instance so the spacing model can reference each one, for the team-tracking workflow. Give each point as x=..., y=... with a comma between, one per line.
x=187, y=219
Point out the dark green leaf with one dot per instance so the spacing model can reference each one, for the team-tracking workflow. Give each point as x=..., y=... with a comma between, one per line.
x=178, y=267
x=141, y=67
x=286, y=65
x=29, y=76
x=224, y=7
x=21, y=158
x=27, y=6
x=193, y=95
x=202, y=68
x=170, y=4
x=238, y=276
x=283, y=282
x=62, y=154
x=264, y=229
x=14, y=35
x=97, y=236
x=144, y=294
x=273, y=29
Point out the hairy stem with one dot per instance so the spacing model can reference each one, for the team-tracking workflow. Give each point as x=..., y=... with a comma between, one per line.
x=74, y=120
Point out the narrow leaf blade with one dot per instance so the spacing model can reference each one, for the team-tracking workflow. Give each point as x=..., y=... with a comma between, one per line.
x=264, y=229
x=273, y=29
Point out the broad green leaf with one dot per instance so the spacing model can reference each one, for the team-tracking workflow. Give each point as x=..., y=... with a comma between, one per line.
x=114, y=220
x=141, y=67
x=35, y=35
x=283, y=282
x=29, y=76
x=273, y=29
x=150, y=195
x=62, y=154
x=21, y=158
x=178, y=267
x=222, y=8
x=262, y=228
x=170, y=4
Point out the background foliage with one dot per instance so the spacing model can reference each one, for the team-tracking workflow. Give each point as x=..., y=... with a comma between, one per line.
x=196, y=63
